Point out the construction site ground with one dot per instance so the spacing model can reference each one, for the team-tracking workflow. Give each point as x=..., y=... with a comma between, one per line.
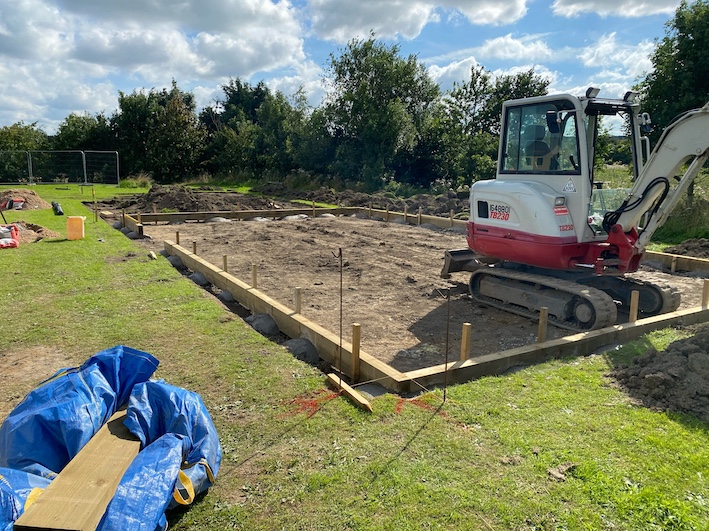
x=391, y=282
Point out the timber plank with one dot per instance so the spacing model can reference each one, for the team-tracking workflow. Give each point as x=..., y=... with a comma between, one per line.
x=77, y=498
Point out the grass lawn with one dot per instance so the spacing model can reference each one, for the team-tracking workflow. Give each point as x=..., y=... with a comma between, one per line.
x=553, y=446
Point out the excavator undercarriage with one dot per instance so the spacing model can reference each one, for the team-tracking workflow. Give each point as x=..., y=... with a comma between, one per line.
x=575, y=302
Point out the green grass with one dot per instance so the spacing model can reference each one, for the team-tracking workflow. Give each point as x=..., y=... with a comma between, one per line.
x=298, y=457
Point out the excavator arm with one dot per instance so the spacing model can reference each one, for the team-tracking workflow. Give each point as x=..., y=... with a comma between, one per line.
x=684, y=141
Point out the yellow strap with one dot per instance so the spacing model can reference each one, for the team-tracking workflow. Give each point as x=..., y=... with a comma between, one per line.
x=34, y=494
x=184, y=490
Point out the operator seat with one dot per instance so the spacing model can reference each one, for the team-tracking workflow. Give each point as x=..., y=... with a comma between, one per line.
x=536, y=150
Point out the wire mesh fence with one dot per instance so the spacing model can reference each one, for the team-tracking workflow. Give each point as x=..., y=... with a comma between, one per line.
x=46, y=166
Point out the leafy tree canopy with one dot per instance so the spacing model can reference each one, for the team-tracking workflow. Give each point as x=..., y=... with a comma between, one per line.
x=680, y=79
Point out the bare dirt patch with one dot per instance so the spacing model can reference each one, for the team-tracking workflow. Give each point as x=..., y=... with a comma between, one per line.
x=31, y=200
x=391, y=282
x=31, y=232
x=24, y=368
x=676, y=379
x=697, y=247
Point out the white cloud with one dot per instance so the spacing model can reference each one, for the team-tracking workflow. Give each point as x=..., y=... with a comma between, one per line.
x=572, y=8
x=529, y=47
x=454, y=72
x=62, y=54
x=341, y=21
x=632, y=61
x=493, y=12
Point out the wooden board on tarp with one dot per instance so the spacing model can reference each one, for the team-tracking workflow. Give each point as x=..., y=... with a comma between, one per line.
x=77, y=498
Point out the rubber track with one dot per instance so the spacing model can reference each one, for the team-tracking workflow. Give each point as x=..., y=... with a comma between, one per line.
x=603, y=305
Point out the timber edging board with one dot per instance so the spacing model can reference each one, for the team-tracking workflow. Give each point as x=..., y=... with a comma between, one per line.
x=574, y=345
x=77, y=498
x=682, y=263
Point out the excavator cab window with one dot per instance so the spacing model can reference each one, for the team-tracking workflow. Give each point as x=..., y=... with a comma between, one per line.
x=540, y=138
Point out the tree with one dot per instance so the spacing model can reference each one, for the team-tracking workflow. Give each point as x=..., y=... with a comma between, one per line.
x=680, y=77
x=14, y=140
x=251, y=131
x=376, y=108
x=159, y=133
x=86, y=132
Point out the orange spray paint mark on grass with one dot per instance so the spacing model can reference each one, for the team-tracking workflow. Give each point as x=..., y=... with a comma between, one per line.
x=310, y=403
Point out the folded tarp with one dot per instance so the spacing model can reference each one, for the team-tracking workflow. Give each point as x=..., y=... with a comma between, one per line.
x=180, y=451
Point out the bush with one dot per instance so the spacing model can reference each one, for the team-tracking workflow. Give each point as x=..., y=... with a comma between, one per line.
x=141, y=180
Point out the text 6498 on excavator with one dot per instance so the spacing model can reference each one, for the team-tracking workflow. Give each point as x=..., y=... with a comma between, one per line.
x=545, y=233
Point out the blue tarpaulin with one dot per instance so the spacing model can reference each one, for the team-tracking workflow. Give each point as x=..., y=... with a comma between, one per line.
x=180, y=451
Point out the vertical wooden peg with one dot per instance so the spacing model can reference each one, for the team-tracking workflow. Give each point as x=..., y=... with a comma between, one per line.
x=177, y=237
x=673, y=267
x=452, y=213
x=406, y=213
x=543, y=321
x=123, y=214
x=356, y=339
x=418, y=217
x=298, y=299
x=370, y=210
x=254, y=276
x=194, y=248
x=634, y=299
x=465, y=342
x=705, y=295
x=225, y=268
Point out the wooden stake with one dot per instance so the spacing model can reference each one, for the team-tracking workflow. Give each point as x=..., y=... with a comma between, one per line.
x=418, y=218
x=224, y=260
x=634, y=298
x=451, y=217
x=336, y=381
x=298, y=299
x=406, y=213
x=445, y=354
x=194, y=248
x=387, y=218
x=140, y=218
x=465, y=342
x=123, y=217
x=313, y=208
x=356, y=339
x=177, y=237
x=705, y=294
x=370, y=210
x=254, y=276
x=673, y=267
x=543, y=320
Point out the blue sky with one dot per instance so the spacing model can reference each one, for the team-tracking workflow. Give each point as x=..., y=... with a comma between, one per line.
x=64, y=56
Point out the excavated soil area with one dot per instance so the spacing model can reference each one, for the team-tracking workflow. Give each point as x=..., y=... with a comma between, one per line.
x=391, y=282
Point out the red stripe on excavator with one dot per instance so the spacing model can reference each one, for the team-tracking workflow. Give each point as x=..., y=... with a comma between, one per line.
x=552, y=252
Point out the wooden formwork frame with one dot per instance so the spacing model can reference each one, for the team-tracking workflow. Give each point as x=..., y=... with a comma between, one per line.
x=338, y=352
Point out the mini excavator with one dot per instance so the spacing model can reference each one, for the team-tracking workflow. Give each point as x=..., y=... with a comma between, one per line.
x=545, y=233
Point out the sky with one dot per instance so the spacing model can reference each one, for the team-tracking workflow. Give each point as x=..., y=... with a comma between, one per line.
x=59, y=57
